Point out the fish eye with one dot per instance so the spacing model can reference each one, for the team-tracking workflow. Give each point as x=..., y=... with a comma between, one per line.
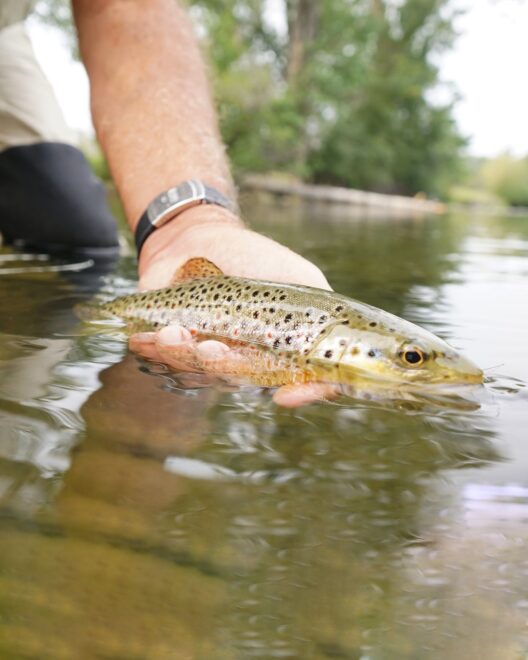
x=413, y=356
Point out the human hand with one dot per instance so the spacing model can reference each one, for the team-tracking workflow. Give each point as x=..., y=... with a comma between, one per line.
x=220, y=237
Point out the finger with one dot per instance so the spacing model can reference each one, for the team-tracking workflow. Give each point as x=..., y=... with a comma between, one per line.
x=175, y=347
x=144, y=343
x=173, y=335
x=293, y=396
x=211, y=349
x=218, y=359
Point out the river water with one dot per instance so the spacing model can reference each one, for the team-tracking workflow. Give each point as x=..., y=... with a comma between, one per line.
x=141, y=519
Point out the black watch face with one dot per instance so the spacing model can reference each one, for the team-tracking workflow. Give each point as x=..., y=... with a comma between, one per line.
x=160, y=205
x=186, y=193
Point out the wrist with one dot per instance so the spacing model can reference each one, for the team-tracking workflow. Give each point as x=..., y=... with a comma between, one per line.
x=166, y=240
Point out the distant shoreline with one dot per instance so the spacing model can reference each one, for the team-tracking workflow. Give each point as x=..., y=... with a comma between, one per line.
x=368, y=203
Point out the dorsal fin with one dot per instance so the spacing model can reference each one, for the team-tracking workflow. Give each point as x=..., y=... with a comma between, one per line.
x=194, y=268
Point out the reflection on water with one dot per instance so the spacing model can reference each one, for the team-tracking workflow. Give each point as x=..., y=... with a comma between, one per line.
x=144, y=518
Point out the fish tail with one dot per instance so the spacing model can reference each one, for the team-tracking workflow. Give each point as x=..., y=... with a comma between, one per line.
x=92, y=311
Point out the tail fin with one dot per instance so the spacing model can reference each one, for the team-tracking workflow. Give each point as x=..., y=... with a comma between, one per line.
x=92, y=311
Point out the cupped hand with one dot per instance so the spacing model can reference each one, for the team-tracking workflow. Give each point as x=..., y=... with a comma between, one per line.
x=221, y=238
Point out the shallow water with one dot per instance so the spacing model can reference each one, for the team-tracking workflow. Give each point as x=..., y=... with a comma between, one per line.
x=141, y=519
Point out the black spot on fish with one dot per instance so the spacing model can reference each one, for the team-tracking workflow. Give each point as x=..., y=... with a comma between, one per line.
x=373, y=324
x=254, y=294
x=339, y=308
x=283, y=297
x=328, y=353
x=229, y=298
x=322, y=318
x=288, y=339
x=288, y=318
x=276, y=343
x=266, y=294
x=238, y=307
x=371, y=353
x=255, y=315
x=216, y=296
x=272, y=310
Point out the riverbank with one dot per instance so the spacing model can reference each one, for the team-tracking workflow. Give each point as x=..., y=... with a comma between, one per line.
x=359, y=202
x=367, y=203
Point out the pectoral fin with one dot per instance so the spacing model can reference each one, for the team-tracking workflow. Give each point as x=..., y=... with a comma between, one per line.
x=194, y=268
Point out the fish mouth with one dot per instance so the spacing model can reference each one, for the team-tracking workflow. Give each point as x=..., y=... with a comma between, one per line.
x=461, y=369
x=452, y=369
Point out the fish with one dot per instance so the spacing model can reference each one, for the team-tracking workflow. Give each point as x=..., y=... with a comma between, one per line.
x=288, y=333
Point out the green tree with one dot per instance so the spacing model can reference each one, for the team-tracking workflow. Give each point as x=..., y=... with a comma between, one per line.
x=388, y=134
x=507, y=177
x=344, y=94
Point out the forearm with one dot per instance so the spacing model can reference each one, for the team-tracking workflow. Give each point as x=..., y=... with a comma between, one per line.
x=151, y=103
x=156, y=122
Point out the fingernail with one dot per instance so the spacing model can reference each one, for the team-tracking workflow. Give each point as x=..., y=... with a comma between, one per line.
x=212, y=349
x=173, y=334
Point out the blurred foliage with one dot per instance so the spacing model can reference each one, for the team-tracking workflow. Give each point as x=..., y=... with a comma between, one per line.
x=492, y=182
x=507, y=177
x=343, y=96
x=96, y=158
x=58, y=13
x=471, y=196
x=343, y=92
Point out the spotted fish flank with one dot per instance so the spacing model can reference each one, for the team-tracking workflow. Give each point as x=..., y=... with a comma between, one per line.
x=295, y=333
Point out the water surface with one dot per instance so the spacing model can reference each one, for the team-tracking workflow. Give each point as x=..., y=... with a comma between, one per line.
x=142, y=519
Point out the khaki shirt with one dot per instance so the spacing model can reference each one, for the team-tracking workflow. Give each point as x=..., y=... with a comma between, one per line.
x=14, y=11
x=29, y=111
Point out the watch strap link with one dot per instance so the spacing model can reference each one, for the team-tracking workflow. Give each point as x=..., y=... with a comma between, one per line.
x=174, y=201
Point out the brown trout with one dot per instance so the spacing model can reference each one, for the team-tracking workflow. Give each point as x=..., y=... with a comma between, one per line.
x=294, y=334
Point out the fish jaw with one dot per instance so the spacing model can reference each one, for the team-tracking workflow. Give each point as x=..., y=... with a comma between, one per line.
x=465, y=370
x=346, y=354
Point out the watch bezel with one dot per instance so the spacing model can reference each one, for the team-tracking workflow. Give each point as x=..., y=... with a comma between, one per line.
x=163, y=208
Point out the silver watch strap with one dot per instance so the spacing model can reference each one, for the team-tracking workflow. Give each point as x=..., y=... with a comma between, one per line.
x=174, y=201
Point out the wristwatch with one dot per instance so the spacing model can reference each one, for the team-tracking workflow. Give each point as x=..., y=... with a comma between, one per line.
x=174, y=201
